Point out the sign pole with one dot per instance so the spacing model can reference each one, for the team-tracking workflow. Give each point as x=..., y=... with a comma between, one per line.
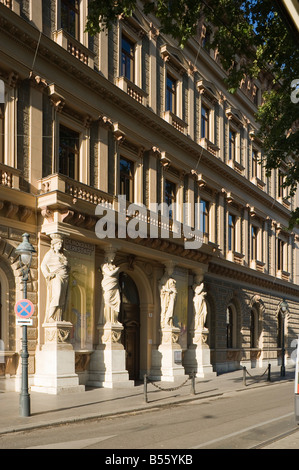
x=24, y=396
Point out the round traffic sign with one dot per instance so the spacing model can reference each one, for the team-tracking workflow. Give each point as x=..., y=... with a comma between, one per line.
x=24, y=308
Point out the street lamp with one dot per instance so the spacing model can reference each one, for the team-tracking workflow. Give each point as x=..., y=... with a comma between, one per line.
x=283, y=310
x=25, y=251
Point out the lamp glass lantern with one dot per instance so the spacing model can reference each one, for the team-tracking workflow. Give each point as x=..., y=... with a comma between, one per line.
x=25, y=250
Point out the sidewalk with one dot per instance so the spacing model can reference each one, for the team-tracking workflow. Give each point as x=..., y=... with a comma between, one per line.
x=48, y=410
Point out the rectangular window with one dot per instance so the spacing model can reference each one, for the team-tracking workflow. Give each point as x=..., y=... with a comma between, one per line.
x=280, y=184
x=254, y=235
x=2, y=135
x=280, y=258
x=231, y=232
x=68, y=152
x=254, y=163
x=232, y=145
x=170, y=196
x=126, y=171
x=70, y=17
x=205, y=122
x=170, y=94
x=127, y=59
x=204, y=223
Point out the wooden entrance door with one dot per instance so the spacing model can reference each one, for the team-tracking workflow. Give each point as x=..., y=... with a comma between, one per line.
x=130, y=318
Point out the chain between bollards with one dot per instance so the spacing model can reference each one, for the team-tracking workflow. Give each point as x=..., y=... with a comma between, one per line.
x=146, y=380
x=246, y=371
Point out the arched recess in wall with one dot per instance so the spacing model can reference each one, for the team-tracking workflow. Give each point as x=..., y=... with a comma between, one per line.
x=8, y=300
x=257, y=310
x=233, y=324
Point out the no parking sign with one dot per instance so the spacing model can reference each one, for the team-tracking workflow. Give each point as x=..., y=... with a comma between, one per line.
x=24, y=309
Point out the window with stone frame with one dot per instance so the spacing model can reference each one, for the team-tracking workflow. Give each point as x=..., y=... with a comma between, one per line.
x=171, y=94
x=69, y=142
x=231, y=232
x=70, y=17
x=170, y=191
x=127, y=58
x=126, y=172
x=205, y=122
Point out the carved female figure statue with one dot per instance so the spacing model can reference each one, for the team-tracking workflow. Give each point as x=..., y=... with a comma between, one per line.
x=55, y=269
x=111, y=293
x=168, y=295
x=200, y=307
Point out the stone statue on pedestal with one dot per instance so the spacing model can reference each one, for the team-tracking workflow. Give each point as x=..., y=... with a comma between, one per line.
x=55, y=268
x=200, y=308
x=111, y=292
x=168, y=295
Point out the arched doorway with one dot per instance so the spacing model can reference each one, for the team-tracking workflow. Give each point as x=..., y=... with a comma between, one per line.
x=130, y=318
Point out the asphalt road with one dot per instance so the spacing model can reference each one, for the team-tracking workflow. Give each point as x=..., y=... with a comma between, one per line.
x=240, y=420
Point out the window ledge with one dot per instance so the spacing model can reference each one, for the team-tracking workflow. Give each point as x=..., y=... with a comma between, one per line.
x=207, y=144
x=281, y=274
x=9, y=177
x=257, y=265
x=236, y=166
x=175, y=121
x=258, y=182
x=74, y=47
x=235, y=257
x=132, y=90
x=13, y=5
x=284, y=201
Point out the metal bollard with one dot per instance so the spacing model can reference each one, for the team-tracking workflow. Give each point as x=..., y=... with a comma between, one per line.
x=244, y=376
x=269, y=373
x=193, y=383
x=145, y=388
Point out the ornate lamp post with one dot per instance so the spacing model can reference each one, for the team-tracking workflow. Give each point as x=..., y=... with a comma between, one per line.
x=283, y=310
x=25, y=251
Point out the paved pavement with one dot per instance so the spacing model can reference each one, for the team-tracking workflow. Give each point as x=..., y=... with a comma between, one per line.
x=48, y=410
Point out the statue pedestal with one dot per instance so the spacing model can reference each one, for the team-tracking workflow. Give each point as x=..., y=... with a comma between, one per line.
x=167, y=359
x=197, y=358
x=108, y=363
x=55, y=362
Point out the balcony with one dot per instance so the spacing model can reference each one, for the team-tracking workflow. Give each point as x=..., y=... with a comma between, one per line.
x=207, y=144
x=9, y=177
x=237, y=166
x=132, y=90
x=74, y=47
x=13, y=5
x=75, y=189
x=176, y=122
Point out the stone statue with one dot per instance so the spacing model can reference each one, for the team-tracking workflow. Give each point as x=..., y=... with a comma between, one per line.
x=168, y=295
x=55, y=269
x=200, y=307
x=111, y=293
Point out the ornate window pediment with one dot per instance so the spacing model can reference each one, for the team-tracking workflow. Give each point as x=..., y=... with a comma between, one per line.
x=235, y=115
x=208, y=90
x=175, y=58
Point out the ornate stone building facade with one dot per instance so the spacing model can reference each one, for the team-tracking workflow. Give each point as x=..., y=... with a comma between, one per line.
x=85, y=119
